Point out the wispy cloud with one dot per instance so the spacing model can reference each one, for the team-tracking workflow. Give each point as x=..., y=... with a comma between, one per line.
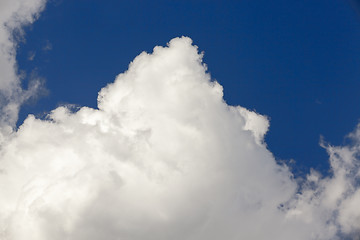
x=47, y=46
x=31, y=55
x=14, y=14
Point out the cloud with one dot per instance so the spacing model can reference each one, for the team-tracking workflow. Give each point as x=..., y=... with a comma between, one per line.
x=31, y=55
x=48, y=46
x=164, y=157
x=14, y=15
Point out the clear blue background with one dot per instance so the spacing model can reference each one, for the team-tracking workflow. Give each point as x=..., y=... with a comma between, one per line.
x=297, y=62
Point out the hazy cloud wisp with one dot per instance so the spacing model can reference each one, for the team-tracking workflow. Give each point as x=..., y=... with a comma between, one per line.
x=14, y=14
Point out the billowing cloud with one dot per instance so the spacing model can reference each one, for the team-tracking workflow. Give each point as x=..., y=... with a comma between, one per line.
x=164, y=157
x=14, y=14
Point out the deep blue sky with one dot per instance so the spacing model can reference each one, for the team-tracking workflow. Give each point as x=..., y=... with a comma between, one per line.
x=297, y=62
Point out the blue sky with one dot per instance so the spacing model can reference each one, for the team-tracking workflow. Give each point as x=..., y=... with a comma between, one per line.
x=295, y=61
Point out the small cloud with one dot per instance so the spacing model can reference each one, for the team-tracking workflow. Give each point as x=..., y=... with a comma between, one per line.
x=47, y=46
x=31, y=55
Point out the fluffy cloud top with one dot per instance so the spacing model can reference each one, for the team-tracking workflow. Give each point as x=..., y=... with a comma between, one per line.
x=14, y=14
x=164, y=157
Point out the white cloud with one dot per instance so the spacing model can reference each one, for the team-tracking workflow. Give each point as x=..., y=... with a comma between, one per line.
x=14, y=14
x=164, y=157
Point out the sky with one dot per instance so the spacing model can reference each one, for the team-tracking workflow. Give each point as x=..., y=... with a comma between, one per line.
x=296, y=62
x=179, y=119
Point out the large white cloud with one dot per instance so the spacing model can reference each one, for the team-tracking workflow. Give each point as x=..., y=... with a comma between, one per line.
x=14, y=14
x=164, y=157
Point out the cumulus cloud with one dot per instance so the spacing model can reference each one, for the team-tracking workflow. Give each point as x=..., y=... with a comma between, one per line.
x=14, y=14
x=164, y=157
